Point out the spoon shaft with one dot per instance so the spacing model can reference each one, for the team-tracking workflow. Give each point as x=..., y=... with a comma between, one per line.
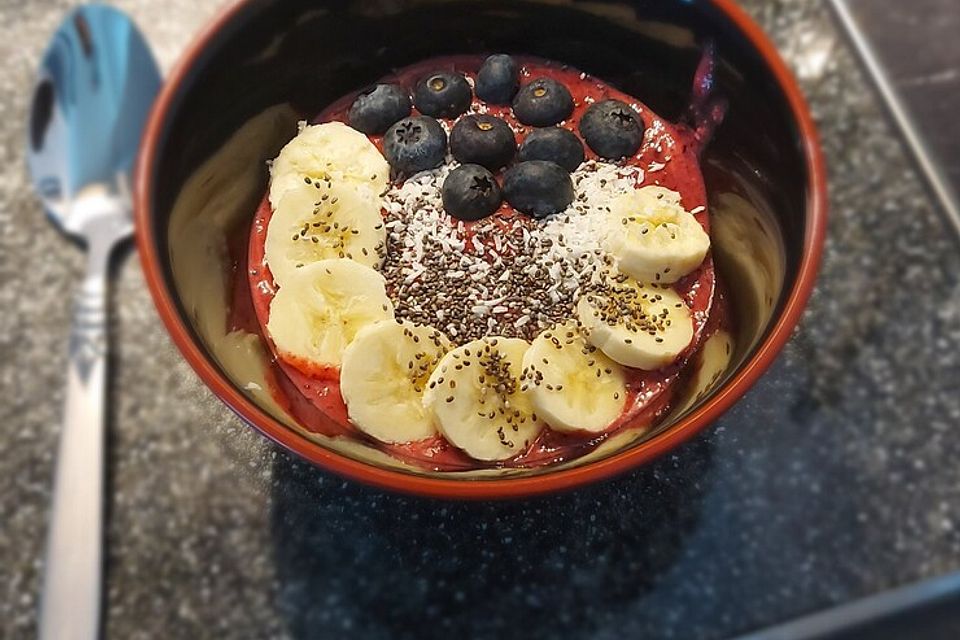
x=70, y=604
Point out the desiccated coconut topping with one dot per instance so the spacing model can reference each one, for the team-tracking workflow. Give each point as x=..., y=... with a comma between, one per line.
x=510, y=277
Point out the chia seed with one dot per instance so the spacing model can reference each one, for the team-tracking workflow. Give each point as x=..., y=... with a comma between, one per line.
x=506, y=275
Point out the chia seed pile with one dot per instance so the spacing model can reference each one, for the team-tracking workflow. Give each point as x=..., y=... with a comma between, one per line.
x=511, y=277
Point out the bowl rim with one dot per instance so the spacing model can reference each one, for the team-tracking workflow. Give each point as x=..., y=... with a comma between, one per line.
x=489, y=488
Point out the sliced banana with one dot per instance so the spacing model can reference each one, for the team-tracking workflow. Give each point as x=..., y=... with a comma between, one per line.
x=384, y=374
x=573, y=387
x=474, y=394
x=652, y=236
x=317, y=221
x=641, y=326
x=320, y=309
x=330, y=152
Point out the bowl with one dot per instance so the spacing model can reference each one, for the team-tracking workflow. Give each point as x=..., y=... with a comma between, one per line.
x=236, y=96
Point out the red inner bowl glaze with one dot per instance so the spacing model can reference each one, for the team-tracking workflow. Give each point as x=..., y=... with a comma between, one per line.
x=155, y=257
x=669, y=157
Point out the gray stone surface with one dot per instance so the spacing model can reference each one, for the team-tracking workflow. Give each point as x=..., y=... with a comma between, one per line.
x=835, y=477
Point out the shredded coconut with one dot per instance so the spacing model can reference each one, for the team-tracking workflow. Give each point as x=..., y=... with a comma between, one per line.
x=495, y=277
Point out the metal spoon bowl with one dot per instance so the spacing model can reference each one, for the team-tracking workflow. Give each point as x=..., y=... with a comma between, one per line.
x=95, y=86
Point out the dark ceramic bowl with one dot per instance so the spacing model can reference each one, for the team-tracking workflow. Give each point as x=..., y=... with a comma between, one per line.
x=234, y=100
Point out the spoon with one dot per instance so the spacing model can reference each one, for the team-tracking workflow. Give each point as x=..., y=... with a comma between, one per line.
x=94, y=89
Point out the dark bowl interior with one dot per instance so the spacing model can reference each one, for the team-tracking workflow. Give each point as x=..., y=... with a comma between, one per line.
x=307, y=54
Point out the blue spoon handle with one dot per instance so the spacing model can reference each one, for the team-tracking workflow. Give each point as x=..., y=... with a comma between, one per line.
x=72, y=581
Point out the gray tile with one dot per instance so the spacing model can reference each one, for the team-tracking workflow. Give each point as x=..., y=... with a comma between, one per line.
x=918, y=45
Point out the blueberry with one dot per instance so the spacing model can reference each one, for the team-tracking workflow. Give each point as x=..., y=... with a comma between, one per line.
x=415, y=144
x=378, y=107
x=498, y=79
x=612, y=129
x=483, y=140
x=442, y=95
x=538, y=188
x=555, y=144
x=470, y=192
x=543, y=102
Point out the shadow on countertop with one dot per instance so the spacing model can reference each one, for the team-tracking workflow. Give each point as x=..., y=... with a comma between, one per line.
x=358, y=561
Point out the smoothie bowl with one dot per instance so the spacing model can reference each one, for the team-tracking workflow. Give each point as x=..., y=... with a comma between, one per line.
x=480, y=249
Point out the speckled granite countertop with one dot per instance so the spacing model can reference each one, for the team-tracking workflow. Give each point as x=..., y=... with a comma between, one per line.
x=834, y=478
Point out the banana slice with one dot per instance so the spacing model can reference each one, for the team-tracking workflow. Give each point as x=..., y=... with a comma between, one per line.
x=474, y=394
x=641, y=326
x=653, y=238
x=384, y=373
x=329, y=152
x=317, y=221
x=320, y=309
x=573, y=386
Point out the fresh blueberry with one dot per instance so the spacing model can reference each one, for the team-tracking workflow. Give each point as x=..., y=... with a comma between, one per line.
x=415, y=144
x=378, y=107
x=470, y=192
x=612, y=129
x=538, y=188
x=483, y=140
x=442, y=95
x=498, y=79
x=555, y=144
x=543, y=102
